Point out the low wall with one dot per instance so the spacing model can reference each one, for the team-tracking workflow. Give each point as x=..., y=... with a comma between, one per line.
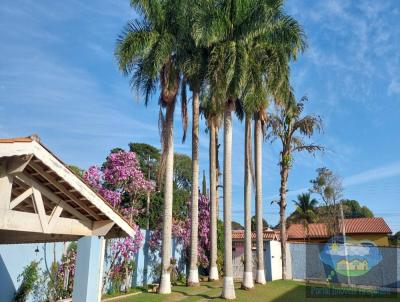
x=14, y=257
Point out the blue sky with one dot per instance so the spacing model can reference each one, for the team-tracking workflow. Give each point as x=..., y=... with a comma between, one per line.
x=59, y=79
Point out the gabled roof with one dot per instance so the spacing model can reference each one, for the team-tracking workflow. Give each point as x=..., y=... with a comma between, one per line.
x=34, y=167
x=374, y=225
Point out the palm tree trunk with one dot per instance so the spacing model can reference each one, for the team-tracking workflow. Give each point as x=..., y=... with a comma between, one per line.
x=282, y=203
x=248, y=261
x=146, y=242
x=193, y=279
x=165, y=284
x=228, y=291
x=260, y=278
x=213, y=201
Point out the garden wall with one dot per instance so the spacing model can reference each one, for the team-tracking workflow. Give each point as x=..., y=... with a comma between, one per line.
x=14, y=257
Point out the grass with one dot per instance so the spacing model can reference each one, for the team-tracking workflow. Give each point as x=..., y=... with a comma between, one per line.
x=130, y=291
x=352, y=273
x=277, y=291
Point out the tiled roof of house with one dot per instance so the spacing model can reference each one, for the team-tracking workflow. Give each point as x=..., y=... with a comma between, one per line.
x=268, y=234
x=374, y=225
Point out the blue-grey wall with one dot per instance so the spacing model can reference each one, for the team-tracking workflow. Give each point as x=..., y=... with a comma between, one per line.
x=13, y=259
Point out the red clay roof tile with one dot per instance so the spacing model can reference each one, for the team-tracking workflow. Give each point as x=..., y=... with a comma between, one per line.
x=374, y=225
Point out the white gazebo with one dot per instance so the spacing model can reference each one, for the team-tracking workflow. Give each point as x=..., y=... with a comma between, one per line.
x=42, y=200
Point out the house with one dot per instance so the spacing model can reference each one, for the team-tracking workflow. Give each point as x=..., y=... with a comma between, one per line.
x=238, y=237
x=238, y=241
x=372, y=229
x=271, y=251
x=353, y=265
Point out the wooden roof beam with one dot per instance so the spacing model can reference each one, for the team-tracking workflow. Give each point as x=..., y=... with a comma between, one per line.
x=59, y=187
x=51, y=196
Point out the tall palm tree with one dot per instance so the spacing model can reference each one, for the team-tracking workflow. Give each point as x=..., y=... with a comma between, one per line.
x=247, y=282
x=212, y=113
x=146, y=51
x=194, y=62
x=274, y=59
x=290, y=127
x=229, y=28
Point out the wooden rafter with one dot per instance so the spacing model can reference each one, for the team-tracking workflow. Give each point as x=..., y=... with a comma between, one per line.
x=51, y=196
x=16, y=201
x=62, y=189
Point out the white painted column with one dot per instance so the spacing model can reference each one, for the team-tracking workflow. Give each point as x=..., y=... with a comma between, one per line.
x=89, y=269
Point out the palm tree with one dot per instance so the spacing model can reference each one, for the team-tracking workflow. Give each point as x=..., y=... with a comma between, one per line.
x=212, y=113
x=192, y=60
x=230, y=28
x=194, y=68
x=305, y=209
x=146, y=51
x=247, y=282
x=290, y=127
x=274, y=58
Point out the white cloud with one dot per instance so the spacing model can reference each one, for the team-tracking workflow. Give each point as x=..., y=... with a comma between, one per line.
x=394, y=87
x=378, y=173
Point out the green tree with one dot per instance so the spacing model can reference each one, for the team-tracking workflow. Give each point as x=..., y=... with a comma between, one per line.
x=254, y=224
x=306, y=207
x=328, y=186
x=291, y=128
x=28, y=278
x=395, y=239
x=353, y=209
x=204, y=184
x=237, y=226
x=305, y=211
x=75, y=169
x=149, y=158
x=183, y=171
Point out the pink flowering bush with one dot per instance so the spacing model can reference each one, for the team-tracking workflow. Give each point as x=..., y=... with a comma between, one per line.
x=119, y=182
x=122, y=170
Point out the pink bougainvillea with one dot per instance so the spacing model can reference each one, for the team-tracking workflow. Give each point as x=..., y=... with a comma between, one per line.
x=122, y=170
x=121, y=176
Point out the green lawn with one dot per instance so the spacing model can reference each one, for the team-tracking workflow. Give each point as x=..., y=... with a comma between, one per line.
x=277, y=291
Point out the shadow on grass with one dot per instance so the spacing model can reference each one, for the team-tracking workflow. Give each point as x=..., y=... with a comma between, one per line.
x=276, y=291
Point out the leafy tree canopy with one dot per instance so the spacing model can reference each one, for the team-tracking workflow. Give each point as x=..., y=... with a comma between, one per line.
x=353, y=209
x=149, y=159
x=253, y=224
x=395, y=239
x=237, y=226
x=78, y=171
